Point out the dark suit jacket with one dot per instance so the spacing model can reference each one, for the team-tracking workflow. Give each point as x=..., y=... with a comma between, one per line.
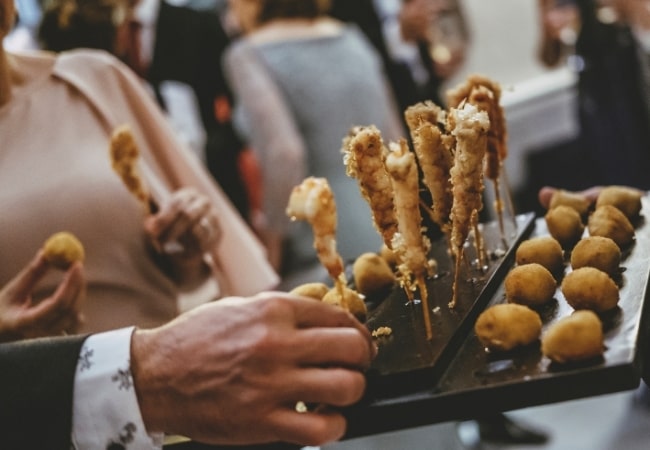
x=189, y=45
x=37, y=379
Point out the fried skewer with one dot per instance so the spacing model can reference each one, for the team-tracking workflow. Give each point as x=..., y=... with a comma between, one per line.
x=409, y=243
x=313, y=201
x=433, y=150
x=364, y=152
x=470, y=128
x=124, y=156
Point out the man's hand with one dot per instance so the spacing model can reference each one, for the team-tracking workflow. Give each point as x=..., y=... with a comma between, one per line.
x=232, y=372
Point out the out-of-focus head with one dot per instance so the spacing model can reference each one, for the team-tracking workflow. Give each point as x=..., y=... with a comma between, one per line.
x=7, y=16
x=69, y=24
x=253, y=13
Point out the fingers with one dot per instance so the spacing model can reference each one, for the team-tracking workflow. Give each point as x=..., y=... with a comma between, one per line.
x=310, y=428
x=23, y=284
x=333, y=386
x=545, y=195
x=344, y=347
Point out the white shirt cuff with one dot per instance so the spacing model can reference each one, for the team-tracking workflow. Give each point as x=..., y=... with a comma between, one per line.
x=105, y=406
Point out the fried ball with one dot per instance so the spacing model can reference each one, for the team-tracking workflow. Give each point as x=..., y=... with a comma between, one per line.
x=609, y=221
x=352, y=301
x=544, y=250
x=506, y=326
x=312, y=290
x=626, y=199
x=389, y=255
x=63, y=249
x=574, y=338
x=564, y=224
x=530, y=284
x=596, y=251
x=573, y=200
x=372, y=274
x=590, y=288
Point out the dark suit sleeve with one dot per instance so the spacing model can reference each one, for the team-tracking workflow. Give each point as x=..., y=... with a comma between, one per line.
x=36, y=388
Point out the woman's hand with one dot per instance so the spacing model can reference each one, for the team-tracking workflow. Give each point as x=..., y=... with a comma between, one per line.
x=60, y=313
x=184, y=229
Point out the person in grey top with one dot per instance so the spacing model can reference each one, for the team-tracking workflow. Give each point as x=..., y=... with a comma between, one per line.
x=301, y=80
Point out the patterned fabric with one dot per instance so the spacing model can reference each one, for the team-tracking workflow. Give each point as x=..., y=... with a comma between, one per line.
x=105, y=409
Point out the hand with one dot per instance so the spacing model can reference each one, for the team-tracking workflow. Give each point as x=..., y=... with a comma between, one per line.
x=546, y=193
x=22, y=318
x=232, y=371
x=185, y=228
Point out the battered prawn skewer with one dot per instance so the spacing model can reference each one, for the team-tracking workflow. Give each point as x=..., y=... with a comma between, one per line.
x=433, y=150
x=124, y=156
x=409, y=243
x=470, y=130
x=364, y=152
x=313, y=201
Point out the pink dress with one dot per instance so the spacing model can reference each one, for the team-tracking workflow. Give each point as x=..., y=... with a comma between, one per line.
x=55, y=175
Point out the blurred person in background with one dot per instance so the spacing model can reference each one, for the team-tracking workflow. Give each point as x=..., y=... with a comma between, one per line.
x=301, y=80
x=177, y=51
x=608, y=44
x=133, y=275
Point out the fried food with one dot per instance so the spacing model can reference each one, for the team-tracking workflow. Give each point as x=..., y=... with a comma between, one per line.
x=313, y=201
x=63, y=249
x=350, y=300
x=388, y=255
x=409, y=243
x=565, y=225
x=530, y=284
x=124, y=156
x=470, y=128
x=364, y=153
x=372, y=274
x=312, y=290
x=544, y=250
x=382, y=332
x=504, y=327
x=574, y=200
x=626, y=199
x=433, y=149
x=609, y=221
x=596, y=251
x=590, y=288
x=574, y=338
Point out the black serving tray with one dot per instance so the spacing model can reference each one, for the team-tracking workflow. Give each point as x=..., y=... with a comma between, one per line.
x=475, y=383
x=415, y=382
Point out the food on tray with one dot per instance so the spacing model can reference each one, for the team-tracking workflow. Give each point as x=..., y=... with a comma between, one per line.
x=364, y=152
x=348, y=299
x=574, y=338
x=469, y=127
x=627, y=199
x=544, y=250
x=372, y=275
x=410, y=245
x=504, y=327
x=565, y=225
x=313, y=201
x=530, y=284
x=485, y=94
x=124, y=155
x=312, y=290
x=382, y=331
x=388, y=255
x=574, y=200
x=590, y=288
x=63, y=249
x=596, y=251
x=609, y=221
x=434, y=151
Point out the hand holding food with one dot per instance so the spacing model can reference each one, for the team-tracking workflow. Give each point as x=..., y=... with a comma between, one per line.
x=21, y=317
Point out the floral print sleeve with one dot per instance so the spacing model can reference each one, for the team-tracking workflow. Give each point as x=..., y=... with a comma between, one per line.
x=105, y=407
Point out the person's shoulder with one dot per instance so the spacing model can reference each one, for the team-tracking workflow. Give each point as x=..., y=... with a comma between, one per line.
x=94, y=64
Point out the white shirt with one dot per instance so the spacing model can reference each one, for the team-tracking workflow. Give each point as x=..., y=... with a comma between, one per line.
x=105, y=406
